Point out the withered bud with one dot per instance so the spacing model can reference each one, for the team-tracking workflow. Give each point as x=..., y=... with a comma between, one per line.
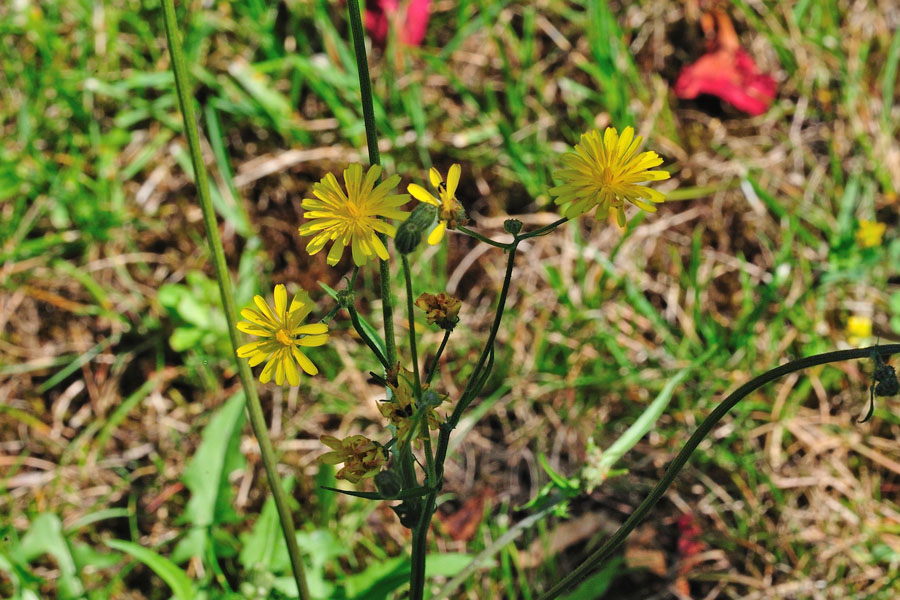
x=441, y=309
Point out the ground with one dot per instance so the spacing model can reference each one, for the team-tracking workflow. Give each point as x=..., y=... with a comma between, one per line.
x=108, y=376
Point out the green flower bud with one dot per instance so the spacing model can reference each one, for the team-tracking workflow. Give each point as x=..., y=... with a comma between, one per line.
x=409, y=234
x=345, y=298
x=432, y=398
x=388, y=484
x=422, y=216
x=513, y=226
x=407, y=238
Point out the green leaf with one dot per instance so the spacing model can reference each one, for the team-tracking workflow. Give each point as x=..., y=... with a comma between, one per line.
x=447, y=564
x=264, y=547
x=595, y=586
x=168, y=571
x=169, y=294
x=185, y=337
x=86, y=555
x=379, y=580
x=193, y=311
x=206, y=476
x=45, y=537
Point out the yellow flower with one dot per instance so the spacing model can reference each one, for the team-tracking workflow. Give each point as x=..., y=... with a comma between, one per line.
x=442, y=309
x=361, y=456
x=450, y=211
x=859, y=329
x=352, y=219
x=283, y=335
x=869, y=233
x=402, y=406
x=607, y=173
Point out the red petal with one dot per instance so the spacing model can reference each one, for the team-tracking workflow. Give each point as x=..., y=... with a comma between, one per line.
x=728, y=72
x=417, y=12
x=382, y=14
x=731, y=76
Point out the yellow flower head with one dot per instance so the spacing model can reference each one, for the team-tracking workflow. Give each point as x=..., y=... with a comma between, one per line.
x=450, y=212
x=352, y=219
x=442, y=309
x=401, y=409
x=859, y=329
x=607, y=172
x=869, y=233
x=361, y=456
x=283, y=335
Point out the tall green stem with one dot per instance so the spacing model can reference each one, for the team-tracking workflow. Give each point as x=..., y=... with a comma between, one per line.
x=437, y=356
x=257, y=419
x=365, y=90
x=420, y=532
x=604, y=552
x=412, y=327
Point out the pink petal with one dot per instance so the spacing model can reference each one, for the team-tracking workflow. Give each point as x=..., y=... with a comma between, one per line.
x=731, y=76
x=727, y=71
x=417, y=13
x=384, y=14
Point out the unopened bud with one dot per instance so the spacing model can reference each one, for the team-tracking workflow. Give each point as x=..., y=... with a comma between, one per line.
x=407, y=238
x=409, y=234
x=513, y=226
x=388, y=484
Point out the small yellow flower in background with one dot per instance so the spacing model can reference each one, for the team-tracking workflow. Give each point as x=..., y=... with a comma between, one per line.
x=859, y=329
x=352, y=219
x=607, y=172
x=283, y=335
x=450, y=211
x=870, y=233
x=442, y=309
x=361, y=456
x=402, y=406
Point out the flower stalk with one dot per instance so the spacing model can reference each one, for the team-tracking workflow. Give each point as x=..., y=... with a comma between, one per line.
x=254, y=409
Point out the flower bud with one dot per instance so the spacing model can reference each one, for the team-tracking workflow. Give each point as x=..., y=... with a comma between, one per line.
x=513, y=226
x=422, y=216
x=407, y=238
x=345, y=298
x=388, y=484
x=409, y=234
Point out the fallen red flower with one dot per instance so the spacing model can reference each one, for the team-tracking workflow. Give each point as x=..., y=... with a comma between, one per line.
x=689, y=530
x=411, y=24
x=727, y=71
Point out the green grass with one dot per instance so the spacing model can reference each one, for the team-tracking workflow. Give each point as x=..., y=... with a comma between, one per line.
x=97, y=231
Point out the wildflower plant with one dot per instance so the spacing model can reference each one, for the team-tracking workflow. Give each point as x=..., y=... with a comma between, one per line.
x=605, y=172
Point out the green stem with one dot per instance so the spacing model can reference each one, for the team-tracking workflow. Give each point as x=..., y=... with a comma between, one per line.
x=412, y=326
x=423, y=410
x=601, y=554
x=257, y=419
x=543, y=230
x=420, y=549
x=365, y=90
x=482, y=238
x=468, y=394
x=437, y=357
x=420, y=532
